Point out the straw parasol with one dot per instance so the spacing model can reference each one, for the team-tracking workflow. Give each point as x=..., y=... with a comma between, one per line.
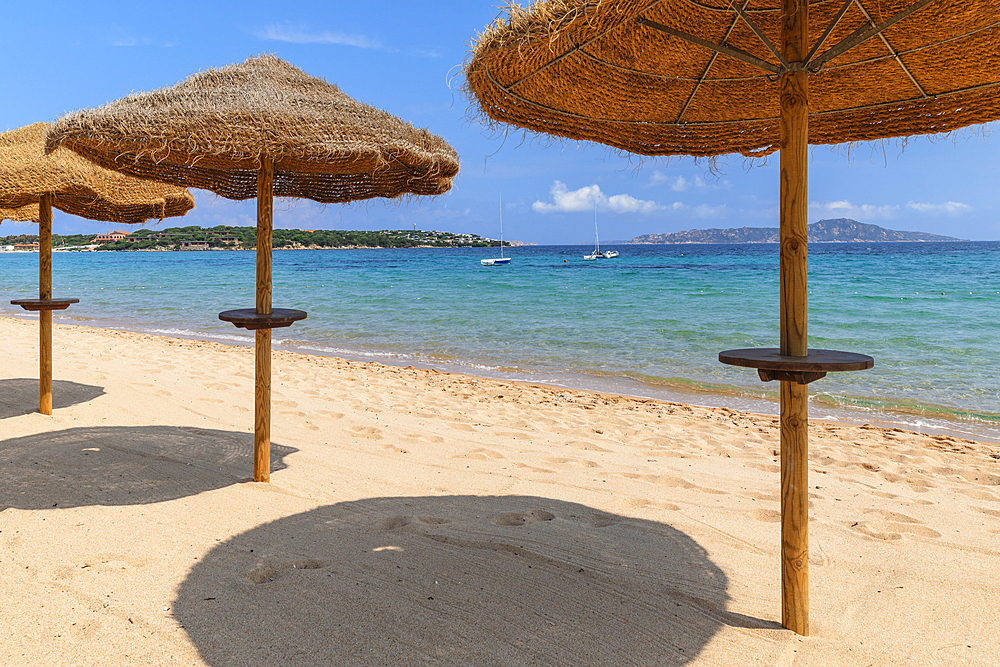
x=675, y=77
x=31, y=183
x=258, y=129
x=28, y=213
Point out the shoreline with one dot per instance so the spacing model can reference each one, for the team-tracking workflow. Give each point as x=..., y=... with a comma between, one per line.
x=762, y=402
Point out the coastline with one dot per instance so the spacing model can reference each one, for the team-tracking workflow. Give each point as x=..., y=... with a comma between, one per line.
x=921, y=418
x=412, y=510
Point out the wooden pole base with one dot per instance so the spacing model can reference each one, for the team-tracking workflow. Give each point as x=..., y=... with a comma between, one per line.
x=262, y=409
x=45, y=362
x=795, y=508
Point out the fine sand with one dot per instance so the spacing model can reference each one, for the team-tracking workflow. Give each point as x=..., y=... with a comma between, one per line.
x=424, y=518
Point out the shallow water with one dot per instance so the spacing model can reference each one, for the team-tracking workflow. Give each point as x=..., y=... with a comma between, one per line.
x=649, y=323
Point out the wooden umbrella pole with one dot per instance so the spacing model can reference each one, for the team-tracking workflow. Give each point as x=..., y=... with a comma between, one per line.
x=45, y=316
x=262, y=393
x=794, y=124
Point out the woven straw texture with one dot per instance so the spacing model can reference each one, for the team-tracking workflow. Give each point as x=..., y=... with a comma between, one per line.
x=211, y=130
x=78, y=186
x=27, y=213
x=586, y=69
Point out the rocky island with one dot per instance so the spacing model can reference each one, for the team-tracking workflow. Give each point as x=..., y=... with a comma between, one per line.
x=839, y=230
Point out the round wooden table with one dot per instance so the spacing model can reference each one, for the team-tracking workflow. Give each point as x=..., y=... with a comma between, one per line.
x=249, y=318
x=772, y=365
x=44, y=304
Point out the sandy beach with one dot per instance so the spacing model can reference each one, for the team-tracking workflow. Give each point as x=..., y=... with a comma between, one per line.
x=417, y=517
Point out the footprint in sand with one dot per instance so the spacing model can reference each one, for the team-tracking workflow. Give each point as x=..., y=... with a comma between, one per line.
x=266, y=575
x=398, y=522
x=978, y=477
x=419, y=437
x=886, y=515
x=771, y=516
x=369, y=432
x=891, y=530
x=643, y=503
x=987, y=511
x=531, y=468
x=522, y=518
x=480, y=454
x=766, y=467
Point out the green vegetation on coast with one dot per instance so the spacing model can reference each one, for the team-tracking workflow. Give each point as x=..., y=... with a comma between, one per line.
x=224, y=237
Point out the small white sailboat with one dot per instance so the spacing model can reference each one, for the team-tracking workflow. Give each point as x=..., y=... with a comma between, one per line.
x=495, y=261
x=597, y=254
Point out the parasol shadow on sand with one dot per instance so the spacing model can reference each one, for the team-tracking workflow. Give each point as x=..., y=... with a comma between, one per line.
x=119, y=465
x=32, y=183
x=674, y=77
x=261, y=128
x=15, y=393
x=458, y=580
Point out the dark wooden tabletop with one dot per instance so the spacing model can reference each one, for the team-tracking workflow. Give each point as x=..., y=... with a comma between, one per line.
x=770, y=358
x=249, y=318
x=44, y=304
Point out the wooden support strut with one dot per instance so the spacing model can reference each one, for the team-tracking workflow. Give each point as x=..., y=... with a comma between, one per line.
x=794, y=139
x=262, y=368
x=45, y=316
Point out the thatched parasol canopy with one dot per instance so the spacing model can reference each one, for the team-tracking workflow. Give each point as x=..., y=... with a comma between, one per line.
x=211, y=130
x=676, y=77
x=27, y=213
x=78, y=186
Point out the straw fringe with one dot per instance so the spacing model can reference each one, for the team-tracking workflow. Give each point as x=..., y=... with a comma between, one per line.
x=27, y=213
x=212, y=130
x=586, y=70
x=78, y=186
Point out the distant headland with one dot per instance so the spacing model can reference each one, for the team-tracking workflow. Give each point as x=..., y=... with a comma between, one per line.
x=839, y=230
x=224, y=237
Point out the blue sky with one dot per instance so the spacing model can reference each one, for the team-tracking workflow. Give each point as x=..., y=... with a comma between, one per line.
x=406, y=58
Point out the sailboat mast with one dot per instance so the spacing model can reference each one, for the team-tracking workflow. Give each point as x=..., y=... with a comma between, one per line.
x=597, y=240
x=500, y=198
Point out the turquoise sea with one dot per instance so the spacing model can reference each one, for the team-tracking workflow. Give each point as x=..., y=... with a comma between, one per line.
x=649, y=323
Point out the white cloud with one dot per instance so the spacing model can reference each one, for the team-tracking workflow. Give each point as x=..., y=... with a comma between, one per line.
x=846, y=209
x=629, y=204
x=680, y=184
x=584, y=199
x=948, y=208
x=301, y=35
